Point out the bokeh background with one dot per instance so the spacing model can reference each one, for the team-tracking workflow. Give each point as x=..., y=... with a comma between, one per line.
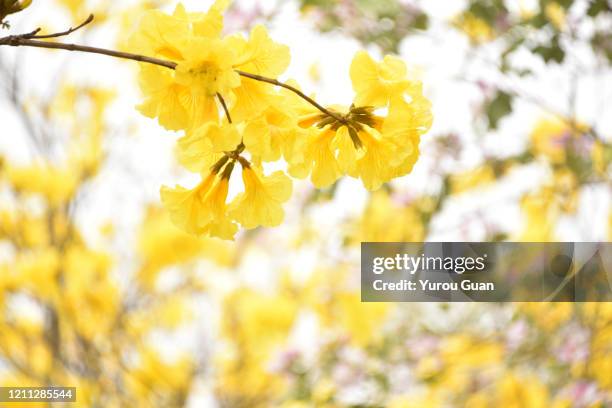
x=100, y=291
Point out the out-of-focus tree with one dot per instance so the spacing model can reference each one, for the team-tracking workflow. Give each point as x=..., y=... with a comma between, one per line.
x=76, y=312
x=67, y=317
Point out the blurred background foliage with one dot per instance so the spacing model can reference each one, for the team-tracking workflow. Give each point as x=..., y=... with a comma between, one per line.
x=147, y=316
x=512, y=39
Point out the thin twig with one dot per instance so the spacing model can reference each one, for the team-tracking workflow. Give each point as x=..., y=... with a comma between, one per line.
x=227, y=114
x=33, y=34
x=294, y=90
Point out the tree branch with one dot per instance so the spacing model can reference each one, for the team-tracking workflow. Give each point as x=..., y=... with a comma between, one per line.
x=294, y=90
x=17, y=41
x=33, y=34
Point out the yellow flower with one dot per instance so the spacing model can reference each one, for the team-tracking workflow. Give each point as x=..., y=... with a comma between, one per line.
x=463, y=349
x=166, y=36
x=402, y=128
x=261, y=202
x=205, y=72
x=202, y=210
x=318, y=159
x=273, y=133
x=187, y=207
x=210, y=24
x=164, y=98
x=375, y=83
x=160, y=35
x=207, y=67
x=358, y=141
x=257, y=55
x=330, y=153
x=375, y=139
x=381, y=156
x=366, y=146
x=222, y=227
x=203, y=147
x=185, y=98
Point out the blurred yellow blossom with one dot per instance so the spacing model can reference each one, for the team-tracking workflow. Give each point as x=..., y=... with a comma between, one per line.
x=556, y=15
x=387, y=220
x=55, y=184
x=477, y=30
x=548, y=316
x=477, y=177
x=161, y=244
x=540, y=216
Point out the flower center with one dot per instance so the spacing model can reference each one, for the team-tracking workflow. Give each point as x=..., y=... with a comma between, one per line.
x=354, y=120
x=206, y=75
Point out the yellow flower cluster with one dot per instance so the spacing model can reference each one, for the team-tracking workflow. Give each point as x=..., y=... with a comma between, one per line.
x=223, y=94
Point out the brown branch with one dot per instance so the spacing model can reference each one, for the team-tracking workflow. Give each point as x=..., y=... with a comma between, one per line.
x=17, y=41
x=33, y=34
x=294, y=90
x=31, y=40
